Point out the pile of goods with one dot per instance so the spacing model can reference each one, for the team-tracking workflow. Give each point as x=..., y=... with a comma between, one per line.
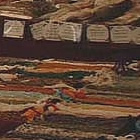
x=84, y=11
x=91, y=11
x=26, y=8
x=95, y=11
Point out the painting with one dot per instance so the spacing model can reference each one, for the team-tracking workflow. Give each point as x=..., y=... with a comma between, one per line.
x=70, y=70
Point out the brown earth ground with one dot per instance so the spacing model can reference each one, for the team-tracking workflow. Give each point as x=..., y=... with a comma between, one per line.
x=98, y=109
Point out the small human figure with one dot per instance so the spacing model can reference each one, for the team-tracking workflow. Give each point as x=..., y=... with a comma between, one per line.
x=38, y=111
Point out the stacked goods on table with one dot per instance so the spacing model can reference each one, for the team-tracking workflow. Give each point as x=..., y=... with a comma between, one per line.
x=84, y=22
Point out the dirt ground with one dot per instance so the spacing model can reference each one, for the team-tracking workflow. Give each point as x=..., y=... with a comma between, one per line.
x=100, y=109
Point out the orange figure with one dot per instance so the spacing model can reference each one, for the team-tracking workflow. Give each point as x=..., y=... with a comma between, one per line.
x=39, y=110
x=33, y=113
